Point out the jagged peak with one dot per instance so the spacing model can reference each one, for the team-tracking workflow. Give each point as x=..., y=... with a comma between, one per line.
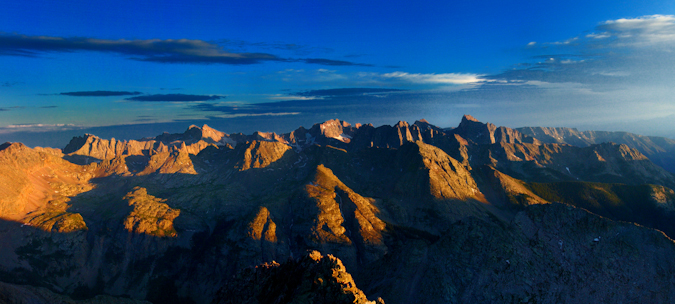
x=313, y=278
x=424, y=124
x=402, y=124
x=78, y=141
x=331, y=128
x=10, y=146
x=215, y=135
x=261, y=153
x=266, y=136
x=206, y=127
x=5, y=146
x=468, y=117
x=334, y=122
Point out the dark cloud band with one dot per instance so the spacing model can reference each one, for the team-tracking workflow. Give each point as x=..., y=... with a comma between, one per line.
x=343, y=99
x=8, y=84
x=156, y=50
x=330, y=62
x=174, y=98
x=345, y=92
x=99, y=93
x=151, y=50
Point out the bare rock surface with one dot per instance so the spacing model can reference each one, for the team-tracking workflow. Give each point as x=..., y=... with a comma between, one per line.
x=416, y=213
x=313, y=278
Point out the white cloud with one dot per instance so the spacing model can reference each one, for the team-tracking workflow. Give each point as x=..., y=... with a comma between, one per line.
x=568, y=41
x=290, y=97
x=38, y=128
x=446, y=78
x=599, y=36
x=645, y=23
x=362, y=79
x=255, y=114
x=613, y=74
x=627, y=32
x=570, y=61
x=641, y=31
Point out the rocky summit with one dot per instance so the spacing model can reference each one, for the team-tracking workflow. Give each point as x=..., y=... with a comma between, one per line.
x=341, y=213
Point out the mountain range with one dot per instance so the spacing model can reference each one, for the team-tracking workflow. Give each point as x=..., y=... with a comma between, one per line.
x=409, y=213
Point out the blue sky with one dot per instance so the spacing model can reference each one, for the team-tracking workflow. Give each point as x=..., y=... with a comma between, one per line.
x=276, y=65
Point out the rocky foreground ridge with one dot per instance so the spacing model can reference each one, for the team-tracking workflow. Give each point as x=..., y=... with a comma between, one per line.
x=410, y=213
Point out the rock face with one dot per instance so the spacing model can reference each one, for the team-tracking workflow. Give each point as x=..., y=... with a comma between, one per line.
x=477, y=213
x=660, y=150
x=193, y=141
x=32, y=177
x=607, y=162
x=486, y=133
x=260, y=154
x=95, y=147
x=550, y=254
x=433, y=172
x=311, y=279
x=149, y=215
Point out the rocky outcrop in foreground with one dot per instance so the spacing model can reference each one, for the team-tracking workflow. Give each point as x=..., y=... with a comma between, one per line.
x=311, y=279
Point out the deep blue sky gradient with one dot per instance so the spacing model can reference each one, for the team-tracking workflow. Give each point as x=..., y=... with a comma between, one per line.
x=513, y=63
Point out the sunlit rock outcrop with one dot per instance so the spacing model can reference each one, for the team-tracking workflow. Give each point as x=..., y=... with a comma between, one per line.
x=150, y=215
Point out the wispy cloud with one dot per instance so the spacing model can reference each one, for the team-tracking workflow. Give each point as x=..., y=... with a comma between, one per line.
x=21, y=126
x=8, y=84
x=298, y=49
x=155, y=50
x=618, y=71
x=22, y=107
x=99, y=93
x=644, y=31
x=174, y=98
x=345, y=92
x=252, y=115
x=445, y=78
x=641, y=31
x=330, y=62
x=399, y=79
x=33, y=127
x=290, y=97
x=615, y=55
x=567, y=42
x=151, y=50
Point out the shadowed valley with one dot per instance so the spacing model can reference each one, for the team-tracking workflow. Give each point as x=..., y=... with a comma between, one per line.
x=408, y=213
